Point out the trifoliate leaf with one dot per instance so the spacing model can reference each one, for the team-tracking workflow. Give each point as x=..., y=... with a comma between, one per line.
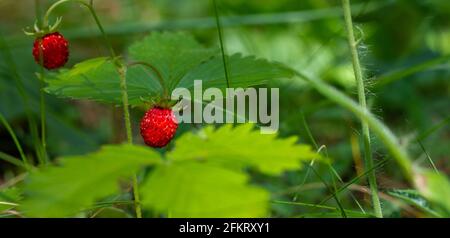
x=194, y=189
x=243, y=147
x=59, y=191
x=172, y=54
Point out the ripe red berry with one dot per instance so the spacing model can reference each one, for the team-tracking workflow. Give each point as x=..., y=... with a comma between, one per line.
x=158, y=126
x=55, y=50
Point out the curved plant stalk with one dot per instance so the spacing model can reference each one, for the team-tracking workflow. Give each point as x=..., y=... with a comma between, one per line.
x=121, y=70
x=16, y=142
x=362, y=102
x=385, y=135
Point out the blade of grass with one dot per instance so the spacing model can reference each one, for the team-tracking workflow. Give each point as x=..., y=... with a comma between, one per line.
x=434, y=128
x=334, y=173
x=12, y=160
x=41, y=77
x=399, y=74
x=16, y=142
x=425, y=134
x=317, y=206
x=121, y=71
x=362, y=101
x=335, y=196
x=428, y=157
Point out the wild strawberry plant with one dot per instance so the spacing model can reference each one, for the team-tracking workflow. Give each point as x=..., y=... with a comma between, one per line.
x=204, y=172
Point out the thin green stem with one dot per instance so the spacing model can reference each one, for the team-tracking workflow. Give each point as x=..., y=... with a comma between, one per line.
x=121, y=70
x=41, y=77
x=16, y=142
x=362, y=101
x=222, y=47
x=356, y=179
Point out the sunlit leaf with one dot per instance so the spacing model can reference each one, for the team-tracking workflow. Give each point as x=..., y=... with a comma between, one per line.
x=243, y=147
x=59, y=191
x=194, y=189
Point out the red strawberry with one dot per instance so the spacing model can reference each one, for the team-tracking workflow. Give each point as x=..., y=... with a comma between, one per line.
x=55, y=50
x=158, y=126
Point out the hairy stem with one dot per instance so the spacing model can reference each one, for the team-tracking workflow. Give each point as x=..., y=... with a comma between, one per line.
x=385, y=135
x=362, y=102
x=121, y=70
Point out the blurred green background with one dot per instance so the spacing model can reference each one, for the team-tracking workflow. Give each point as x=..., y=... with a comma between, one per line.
x=404, y=51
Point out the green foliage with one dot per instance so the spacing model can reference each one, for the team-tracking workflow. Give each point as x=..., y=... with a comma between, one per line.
x=195, y=189
x=64, y=190
x=242, y=147
x=188, y=184
x=178, y=58
x=436, y=189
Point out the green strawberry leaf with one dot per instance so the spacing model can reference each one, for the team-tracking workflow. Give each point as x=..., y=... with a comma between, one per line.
x=9, y=198
x=172, y=54
x=243, y=147
x=97, y=79
x=243, y=72
x=194, y=189
x=60, y=191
